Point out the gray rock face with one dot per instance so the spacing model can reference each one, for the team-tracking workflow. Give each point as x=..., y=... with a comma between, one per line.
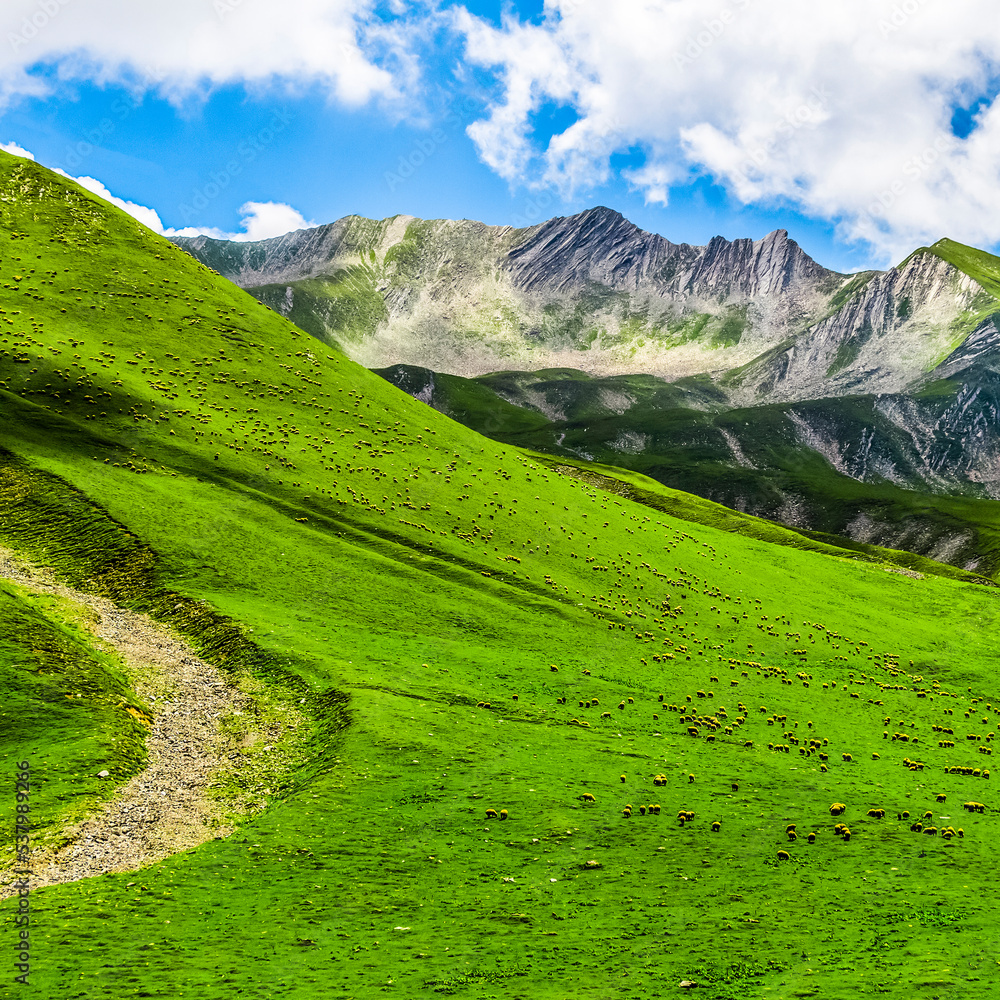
x=895, y=328
x=306, y=253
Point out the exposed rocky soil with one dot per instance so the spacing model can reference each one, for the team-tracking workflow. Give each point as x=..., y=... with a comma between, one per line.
x=165, y=809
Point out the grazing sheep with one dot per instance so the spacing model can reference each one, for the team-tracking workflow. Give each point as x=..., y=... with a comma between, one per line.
x=621, y=705
x=736, y=787
x=960, y=832
x=716, y=826
x=847, y=757
x=837, y=809
x=690, y=779
x=655, y=809
x=811, y=838
x=627, y=813
x=790, y=828
x=784, y=856
x=932, y=830
x=587, y=797
x=622, y=776
x=792, y=835
x=905, y=815
x=928, y=815
x=875, y=756
x=503, y=814
x=942, y=798
x=605, y=715
x=846, y=835
x=491, y=814
x=642, y=810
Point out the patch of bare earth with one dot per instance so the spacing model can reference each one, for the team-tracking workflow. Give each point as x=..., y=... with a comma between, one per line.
x=166, y=808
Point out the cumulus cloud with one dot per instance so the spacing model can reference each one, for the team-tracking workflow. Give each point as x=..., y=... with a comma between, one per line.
x=841, y=111
x=15, y=150
x=261, y=220
x=187, y=46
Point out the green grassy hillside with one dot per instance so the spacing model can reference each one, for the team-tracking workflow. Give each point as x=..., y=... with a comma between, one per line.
x=467, y=630
x=684, y=436
x=67, y=706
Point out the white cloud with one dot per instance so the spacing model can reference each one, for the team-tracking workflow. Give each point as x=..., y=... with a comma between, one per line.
x=841, y=111
x=187, y=46
x=261, y=220
x=15, y=150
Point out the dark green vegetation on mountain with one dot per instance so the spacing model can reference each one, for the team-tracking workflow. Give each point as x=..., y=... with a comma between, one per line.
x=468, y=630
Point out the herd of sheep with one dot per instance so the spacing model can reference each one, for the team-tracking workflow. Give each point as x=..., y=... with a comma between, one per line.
x=715, y=721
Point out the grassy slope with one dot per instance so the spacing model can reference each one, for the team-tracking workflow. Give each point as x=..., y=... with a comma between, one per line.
x=677, y=439
x=67, y=706
x=393, y=569
x=696, y=510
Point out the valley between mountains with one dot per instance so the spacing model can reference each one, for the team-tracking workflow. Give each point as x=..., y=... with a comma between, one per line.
x=536, y=725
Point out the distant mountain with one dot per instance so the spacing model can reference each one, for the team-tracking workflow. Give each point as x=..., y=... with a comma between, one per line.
x=769, y=377
x=591, y=291
x=594, y=292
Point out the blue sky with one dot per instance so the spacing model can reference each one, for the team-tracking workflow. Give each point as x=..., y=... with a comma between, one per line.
x=671, y=113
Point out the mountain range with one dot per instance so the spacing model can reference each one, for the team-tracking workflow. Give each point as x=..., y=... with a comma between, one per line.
x=863, y=405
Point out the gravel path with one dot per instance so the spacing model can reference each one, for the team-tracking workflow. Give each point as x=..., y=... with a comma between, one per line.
x=164, y=809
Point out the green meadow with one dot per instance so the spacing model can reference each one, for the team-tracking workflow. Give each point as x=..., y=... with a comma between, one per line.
x=465, y=627
x=682, y=435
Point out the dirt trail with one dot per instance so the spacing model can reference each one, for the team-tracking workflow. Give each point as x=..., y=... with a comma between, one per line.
x=164, y=809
